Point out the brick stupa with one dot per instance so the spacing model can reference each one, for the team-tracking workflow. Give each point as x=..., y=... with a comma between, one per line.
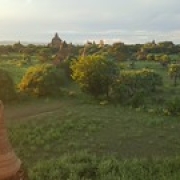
x=10, y=164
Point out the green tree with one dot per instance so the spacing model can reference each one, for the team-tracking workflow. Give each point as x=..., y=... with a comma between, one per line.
x=42, y=80
x=157, y=58
x=164, y=60
x=134, y=85
x=150, y=57
x=44, y=55
x=94, y=74
x=174, y=72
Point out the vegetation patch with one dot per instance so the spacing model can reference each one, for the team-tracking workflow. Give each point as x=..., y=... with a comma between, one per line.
x=85, y=166
x=132, y=86
x=78, y=137
x=7, y=87
x=95, y=74
x=42, y=80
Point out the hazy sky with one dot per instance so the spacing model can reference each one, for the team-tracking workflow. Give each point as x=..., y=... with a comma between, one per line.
x=129, y=21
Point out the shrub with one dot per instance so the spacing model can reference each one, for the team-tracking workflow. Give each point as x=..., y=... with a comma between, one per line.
x=150, y=57
x=7, y=88
x=134, y=85
x=65, y=65
x=164, y=60
x=157, y=58
x=94, y=74
x=174, y=72
x=42, y=80
x=172, y=107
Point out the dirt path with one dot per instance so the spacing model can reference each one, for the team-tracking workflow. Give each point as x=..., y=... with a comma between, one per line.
x=30, y=110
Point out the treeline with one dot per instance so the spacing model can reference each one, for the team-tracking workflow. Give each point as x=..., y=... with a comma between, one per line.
x=118, y=51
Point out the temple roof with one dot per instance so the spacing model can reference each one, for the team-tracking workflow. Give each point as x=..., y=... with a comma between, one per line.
x=56, y=37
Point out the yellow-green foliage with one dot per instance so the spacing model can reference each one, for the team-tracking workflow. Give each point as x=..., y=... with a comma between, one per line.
x=42, y=80
x=94, y=74
x=174, y=72
x=7, y=90
x=165, y=58
x=174, y=69
x=131, y=83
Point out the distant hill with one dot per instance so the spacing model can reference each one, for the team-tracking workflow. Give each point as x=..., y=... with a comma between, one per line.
x=22, y=42
x=7, y=42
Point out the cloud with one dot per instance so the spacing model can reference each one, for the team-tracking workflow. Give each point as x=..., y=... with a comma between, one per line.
x=129, y=21
x=29, y=1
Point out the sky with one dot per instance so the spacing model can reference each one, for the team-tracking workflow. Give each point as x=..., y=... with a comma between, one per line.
x=79, y=21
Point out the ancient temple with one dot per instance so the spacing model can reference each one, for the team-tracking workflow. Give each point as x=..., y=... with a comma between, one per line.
x=56, y=41
x=64, y=50
x=10, y=164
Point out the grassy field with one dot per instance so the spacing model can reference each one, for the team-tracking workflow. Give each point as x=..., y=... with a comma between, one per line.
x=87, y=129
x=76, y=137
x=15, y=65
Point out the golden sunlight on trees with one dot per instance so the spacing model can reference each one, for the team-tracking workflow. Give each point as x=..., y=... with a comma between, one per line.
x=94, y=74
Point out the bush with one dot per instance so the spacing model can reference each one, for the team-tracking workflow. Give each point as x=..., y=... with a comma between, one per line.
x=133, y=86
x=150, y=57
x=65, y=65
x=94, y=74
x=172, y=107
x=164, y=60
x=174, y=72
x=42, y=80
x=7, y=88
